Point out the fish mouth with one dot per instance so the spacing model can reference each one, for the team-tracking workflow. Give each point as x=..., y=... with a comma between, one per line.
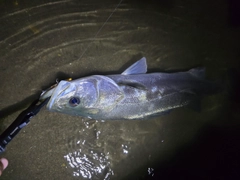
x=61, y=93
x=47, y=93
x=58, y=91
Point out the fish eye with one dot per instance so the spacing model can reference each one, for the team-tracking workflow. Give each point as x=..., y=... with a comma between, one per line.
x=74, y=101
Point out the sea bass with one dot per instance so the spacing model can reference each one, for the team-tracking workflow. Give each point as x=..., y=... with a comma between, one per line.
x=134, y=94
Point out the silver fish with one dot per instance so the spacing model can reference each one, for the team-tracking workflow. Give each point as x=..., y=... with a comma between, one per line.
x=130, y=95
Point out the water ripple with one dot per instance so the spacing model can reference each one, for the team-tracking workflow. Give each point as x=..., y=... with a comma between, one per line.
x=89, y=166
x=33, y=8
x=85, y=155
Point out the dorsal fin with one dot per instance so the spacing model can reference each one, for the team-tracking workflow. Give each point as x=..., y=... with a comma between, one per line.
x=139, y=67
x=198, y=72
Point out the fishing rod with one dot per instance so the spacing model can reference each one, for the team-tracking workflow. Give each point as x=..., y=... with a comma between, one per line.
x=21, y=121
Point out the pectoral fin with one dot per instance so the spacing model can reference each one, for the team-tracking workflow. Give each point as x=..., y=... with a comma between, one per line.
x=135, y=85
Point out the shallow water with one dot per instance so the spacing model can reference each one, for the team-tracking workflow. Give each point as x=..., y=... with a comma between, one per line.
x=41, y=41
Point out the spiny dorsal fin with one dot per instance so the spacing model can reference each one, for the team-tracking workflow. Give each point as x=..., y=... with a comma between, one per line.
x=139, y=67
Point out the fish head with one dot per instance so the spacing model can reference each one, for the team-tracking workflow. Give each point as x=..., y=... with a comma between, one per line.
x=74, y=97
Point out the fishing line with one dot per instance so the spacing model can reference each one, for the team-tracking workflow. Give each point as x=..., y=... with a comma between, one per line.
x=89, y=44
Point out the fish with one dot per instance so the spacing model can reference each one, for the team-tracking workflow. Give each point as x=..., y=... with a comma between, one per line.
x=133, y=94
